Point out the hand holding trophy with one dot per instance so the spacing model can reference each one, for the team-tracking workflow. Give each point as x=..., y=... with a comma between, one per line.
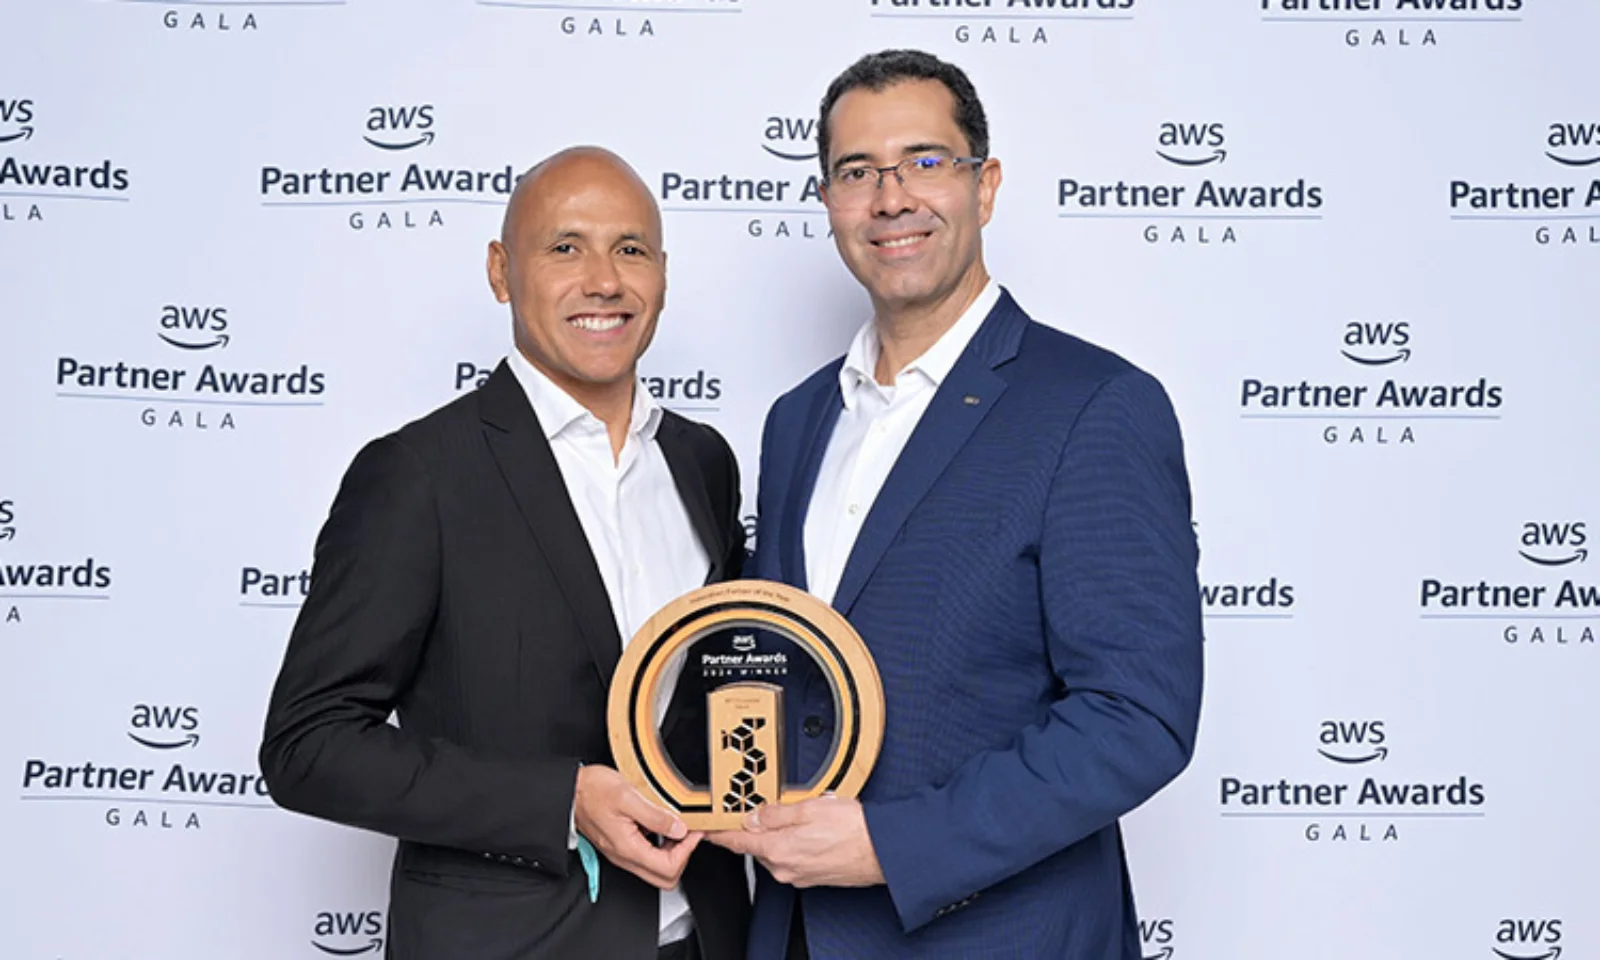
x=736, y=641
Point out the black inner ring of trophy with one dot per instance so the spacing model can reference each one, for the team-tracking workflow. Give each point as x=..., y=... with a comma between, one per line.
x=796, y=629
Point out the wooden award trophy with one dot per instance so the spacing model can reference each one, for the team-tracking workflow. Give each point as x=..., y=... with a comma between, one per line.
x=745, y=714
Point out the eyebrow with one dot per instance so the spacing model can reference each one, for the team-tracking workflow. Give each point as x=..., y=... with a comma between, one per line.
x=631, y=235
x=906, y=152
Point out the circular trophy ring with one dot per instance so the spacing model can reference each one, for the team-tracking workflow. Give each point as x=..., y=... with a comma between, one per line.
x=815, y=627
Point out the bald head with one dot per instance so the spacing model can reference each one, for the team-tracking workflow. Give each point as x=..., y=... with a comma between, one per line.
x=579, y=260
x=570, y=174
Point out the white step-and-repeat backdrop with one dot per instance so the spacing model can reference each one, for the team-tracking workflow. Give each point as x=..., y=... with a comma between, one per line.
x=1359, y=240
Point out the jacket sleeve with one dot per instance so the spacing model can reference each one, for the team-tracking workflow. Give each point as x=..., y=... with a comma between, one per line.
x=328, y=748
x=1122, y=629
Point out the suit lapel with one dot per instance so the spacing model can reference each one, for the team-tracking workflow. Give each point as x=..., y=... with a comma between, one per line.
x=529, y=468
x=690, y=481
x=819, y=423
x=960, y=404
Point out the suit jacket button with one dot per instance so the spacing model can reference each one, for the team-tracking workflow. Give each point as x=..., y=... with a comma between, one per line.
x=812, y=726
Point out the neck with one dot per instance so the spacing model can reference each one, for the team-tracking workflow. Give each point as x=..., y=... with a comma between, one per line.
x=907, y=330
x=611, y=403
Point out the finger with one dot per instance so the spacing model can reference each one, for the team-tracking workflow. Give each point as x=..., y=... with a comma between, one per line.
x=657, y=866
x=737, y=841
x=651, y=817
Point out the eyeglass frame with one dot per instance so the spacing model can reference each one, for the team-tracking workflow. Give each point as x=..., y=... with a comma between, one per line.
x=956, y=162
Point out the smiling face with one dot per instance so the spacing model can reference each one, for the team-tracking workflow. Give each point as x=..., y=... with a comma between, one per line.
x=580, y=262
x=909, y=250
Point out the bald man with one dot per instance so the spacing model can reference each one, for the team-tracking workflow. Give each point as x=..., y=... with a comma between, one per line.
x=477, y=577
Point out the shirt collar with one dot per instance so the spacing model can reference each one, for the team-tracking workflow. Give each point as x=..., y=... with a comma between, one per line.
x=935, y=363
x=558, y=411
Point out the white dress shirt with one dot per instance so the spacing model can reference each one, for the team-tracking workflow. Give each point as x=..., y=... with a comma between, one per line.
x=873, y=428
x=638, y=530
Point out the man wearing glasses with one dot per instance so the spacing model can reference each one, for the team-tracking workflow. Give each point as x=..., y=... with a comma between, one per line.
x=1002, y=511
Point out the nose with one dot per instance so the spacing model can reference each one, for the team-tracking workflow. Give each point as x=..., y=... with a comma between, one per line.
x=600, y=276
x=892, y=198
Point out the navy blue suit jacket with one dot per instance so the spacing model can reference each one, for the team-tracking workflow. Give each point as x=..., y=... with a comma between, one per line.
x=1026, y=583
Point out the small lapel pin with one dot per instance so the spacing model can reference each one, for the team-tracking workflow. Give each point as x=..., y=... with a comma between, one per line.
x=970, y=400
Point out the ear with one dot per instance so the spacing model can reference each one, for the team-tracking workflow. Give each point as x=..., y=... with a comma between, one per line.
x=988, y=185
x=499, y=266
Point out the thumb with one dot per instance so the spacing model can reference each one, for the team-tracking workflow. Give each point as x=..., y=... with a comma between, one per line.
x=773, y=816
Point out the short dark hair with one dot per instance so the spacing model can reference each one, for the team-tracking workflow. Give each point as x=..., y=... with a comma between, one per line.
x=876, y=71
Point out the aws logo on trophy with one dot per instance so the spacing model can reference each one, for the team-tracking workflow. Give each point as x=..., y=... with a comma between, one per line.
x=349, y=933
x=16, y=118
x=1574, y=144
x=1353, y=742
x=1376, y=344
x=400, y=128
x=1528, y=939
x=163, y=727
x=1191, y=144
x=194, y=328
x=790, y=138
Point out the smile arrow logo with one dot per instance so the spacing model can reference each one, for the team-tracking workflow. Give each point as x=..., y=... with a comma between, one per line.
x=1552, y=955
x=1401, y=357
x=192, y=740
x=25, y=133
x=221, y=341
x=1581, y=555
x=1382, y=753
x=1573, y=163
x=374, y=944
x=1216, y=157
x=425, y=138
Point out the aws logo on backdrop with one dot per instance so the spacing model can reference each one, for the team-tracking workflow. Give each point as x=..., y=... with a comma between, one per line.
x=1574, y=144
x=1186, y=200
x=1192, y=144
x=1376, y=344
x=8, y=513
x=16, y=119
x=1516, y=939
x=1536, y=613
x=797, y=136
x=1156, y=939
x=161, y=727
x=194, y=328
x=400, y=128
x=1548, y=202
x=1352, y=742
x=193, y=388
x=388, y=196
x=1353, y=412
x=348, y=934
x=1340, y=807
x=30, y=185
x=1554, y=544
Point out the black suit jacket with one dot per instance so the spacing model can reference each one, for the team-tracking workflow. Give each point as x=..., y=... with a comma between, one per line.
x=454, y=587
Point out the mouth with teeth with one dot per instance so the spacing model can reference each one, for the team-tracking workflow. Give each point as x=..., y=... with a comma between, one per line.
x=902, y=245
x=599, y=322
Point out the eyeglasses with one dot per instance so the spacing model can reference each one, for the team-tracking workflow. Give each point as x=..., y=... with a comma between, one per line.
x=856, y=184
